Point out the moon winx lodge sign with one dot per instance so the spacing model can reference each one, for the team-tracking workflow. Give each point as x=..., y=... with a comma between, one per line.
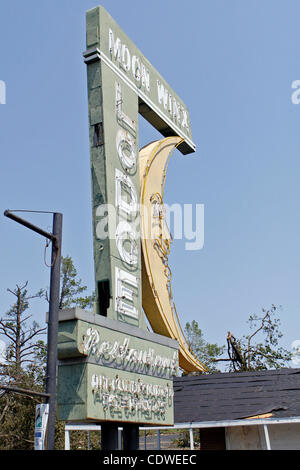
x=111, y=367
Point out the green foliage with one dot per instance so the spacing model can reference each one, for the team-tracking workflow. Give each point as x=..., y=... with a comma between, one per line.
x=205, y=352
x=257, y=350
x=183, y=440
x=17, y=411
x=260, y=349
x=72, y=288
x=24, y=368
x=26, y=365
x=14, y=326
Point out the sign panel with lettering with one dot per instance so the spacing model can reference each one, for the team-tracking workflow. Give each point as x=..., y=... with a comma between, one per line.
x=114, y=372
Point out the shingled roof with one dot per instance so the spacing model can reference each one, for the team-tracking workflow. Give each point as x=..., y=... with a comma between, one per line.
x=229, y=396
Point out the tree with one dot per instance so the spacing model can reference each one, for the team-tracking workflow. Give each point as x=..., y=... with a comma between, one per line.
x=26, y=360
x=21, y=369
x=245, y=354
x=205, y=352
x=17, y=416
x=258, y=350
x=22, y=338
x=72, y=288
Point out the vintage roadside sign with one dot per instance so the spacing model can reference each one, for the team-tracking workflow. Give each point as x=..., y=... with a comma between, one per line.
x=111, y=367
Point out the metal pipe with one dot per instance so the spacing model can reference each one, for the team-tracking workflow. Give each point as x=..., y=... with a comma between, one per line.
x=158, y=440
x=67, y=440
x=40, y=231
x=267, y=437
x=120, y=439
x=191, y=439
x=8, y=388
x=53, y=328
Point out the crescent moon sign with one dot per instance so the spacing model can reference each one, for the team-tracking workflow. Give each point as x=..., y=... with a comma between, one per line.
x=157, y=297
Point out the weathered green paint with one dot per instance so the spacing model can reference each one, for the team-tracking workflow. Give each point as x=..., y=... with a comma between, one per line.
x=104, y=161
x=85, y=404
x=115, y=63
x=88, y=348
x=101, y=342
x=158, y=109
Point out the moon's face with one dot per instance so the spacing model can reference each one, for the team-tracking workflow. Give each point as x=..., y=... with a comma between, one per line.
x=158, y=302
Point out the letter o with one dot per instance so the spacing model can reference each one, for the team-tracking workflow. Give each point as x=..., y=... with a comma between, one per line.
x=125, y=233
x=126, y=149
x=136, y=68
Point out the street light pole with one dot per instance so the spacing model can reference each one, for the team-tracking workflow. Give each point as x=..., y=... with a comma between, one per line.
x=53, y=328
x=56, y=238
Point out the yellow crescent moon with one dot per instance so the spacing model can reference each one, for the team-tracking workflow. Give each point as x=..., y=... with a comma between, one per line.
x=157, y=298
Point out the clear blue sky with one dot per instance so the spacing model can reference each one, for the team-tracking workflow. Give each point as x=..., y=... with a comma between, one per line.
x=232, y=63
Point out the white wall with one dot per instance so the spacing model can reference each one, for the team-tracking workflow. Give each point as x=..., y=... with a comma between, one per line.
x=282, y=437
x=244, y=438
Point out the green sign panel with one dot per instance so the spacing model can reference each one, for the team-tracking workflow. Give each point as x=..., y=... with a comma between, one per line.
x=113, y=372
x=157, y=102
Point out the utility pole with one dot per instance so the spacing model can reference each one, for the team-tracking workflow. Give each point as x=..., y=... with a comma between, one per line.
x=51, y=379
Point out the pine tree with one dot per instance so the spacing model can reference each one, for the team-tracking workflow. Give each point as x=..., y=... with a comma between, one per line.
x=25, y=365
x=205, y=352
